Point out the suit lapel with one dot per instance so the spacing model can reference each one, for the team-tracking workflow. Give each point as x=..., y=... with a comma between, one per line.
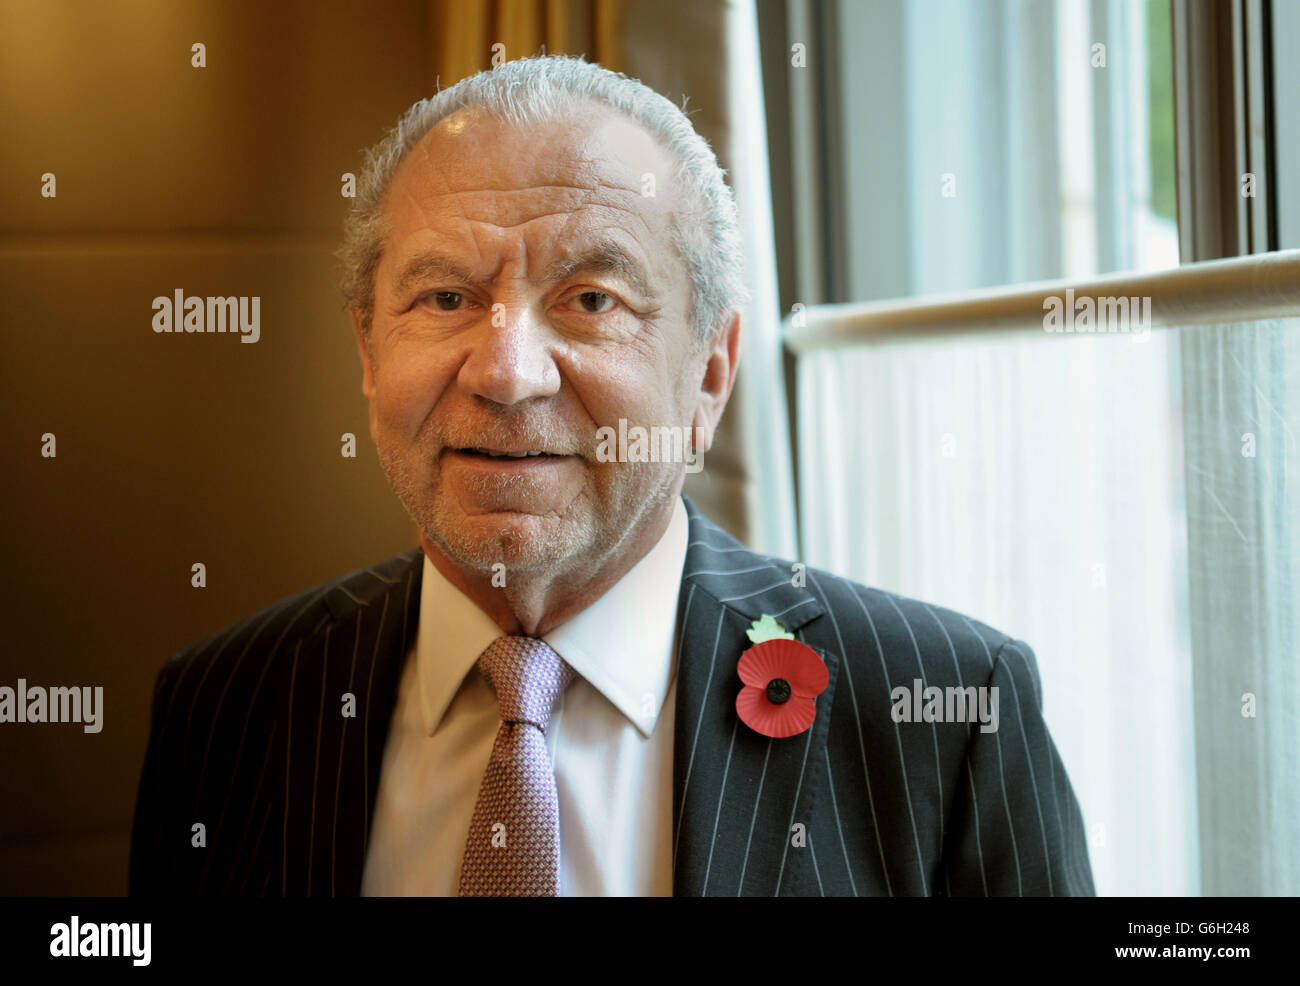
x=738, y=795
x=333, y=759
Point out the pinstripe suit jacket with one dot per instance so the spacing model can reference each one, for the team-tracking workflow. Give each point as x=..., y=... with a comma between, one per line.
x=247, y=738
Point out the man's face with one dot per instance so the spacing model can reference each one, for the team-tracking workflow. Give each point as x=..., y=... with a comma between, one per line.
x=529, y=294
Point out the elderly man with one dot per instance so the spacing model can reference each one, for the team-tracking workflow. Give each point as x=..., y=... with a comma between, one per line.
x=577, y=684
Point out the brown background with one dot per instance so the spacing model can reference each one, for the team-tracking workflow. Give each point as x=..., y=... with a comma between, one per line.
x=223, y=180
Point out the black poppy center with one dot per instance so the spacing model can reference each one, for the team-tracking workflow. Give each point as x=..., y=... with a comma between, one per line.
x=778, y=691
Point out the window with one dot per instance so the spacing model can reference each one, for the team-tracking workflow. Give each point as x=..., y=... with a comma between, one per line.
x=1100, y=495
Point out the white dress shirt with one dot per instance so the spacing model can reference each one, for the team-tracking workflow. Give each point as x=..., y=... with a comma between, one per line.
x=610, y=738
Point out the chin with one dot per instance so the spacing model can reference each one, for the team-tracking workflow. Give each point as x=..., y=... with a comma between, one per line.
x=520, y=541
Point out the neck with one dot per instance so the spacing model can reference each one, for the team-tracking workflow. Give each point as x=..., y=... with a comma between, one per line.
x=533, y=604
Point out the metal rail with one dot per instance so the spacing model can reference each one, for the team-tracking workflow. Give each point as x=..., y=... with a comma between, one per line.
x=1216, y=292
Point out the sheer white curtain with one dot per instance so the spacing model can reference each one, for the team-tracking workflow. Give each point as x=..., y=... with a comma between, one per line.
x=1241, y=391
x=1033, y=483
x=759, y=403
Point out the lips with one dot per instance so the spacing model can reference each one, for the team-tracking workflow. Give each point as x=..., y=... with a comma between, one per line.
x=490, y=453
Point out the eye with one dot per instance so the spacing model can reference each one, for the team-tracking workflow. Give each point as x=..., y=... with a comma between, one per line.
x=594, y=302
x=447, y=301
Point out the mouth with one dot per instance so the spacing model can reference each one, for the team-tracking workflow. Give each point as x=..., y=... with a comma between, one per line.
x=490, y=453
x=508, y=461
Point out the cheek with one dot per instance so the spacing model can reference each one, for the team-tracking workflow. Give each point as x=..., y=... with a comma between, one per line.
x=405, y=393
x=626, y=382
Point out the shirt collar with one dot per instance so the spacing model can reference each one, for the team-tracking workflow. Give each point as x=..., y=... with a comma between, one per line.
x=622, y=644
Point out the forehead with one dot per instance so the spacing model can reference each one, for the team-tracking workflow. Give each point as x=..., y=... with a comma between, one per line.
x=473, y=177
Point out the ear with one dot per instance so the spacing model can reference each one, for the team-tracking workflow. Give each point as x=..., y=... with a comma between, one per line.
x=719, y=377
x=363, y=348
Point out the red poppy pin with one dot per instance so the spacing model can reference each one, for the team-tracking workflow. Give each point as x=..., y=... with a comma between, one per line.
x=782, y=678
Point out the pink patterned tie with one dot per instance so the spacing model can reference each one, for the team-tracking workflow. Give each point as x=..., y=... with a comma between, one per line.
x=513, y=849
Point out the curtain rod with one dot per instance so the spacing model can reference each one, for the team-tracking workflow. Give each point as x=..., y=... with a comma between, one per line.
x=1239, y=289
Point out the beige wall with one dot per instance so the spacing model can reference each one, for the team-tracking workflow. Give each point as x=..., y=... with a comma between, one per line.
x=172, y=449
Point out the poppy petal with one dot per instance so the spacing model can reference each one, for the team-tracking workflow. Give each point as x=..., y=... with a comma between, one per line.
x=753, y=670
x=796, y=662
x=769, y=719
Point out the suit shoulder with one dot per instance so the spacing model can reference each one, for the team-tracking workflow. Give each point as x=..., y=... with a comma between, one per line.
x=279, y=625
x=904, y=630
x=869, y=626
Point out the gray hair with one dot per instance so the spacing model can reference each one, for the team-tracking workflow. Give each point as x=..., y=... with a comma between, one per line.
x=543, y=87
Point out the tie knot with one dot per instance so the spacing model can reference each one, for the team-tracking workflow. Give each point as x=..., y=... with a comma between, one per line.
x=527, y=676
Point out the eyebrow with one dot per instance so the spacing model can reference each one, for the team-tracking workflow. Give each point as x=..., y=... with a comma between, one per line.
x=601, y=257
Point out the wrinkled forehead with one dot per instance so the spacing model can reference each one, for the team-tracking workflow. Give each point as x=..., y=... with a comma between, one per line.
x=586, y=156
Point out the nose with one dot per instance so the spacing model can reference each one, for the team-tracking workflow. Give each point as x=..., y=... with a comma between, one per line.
x=510, y=359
